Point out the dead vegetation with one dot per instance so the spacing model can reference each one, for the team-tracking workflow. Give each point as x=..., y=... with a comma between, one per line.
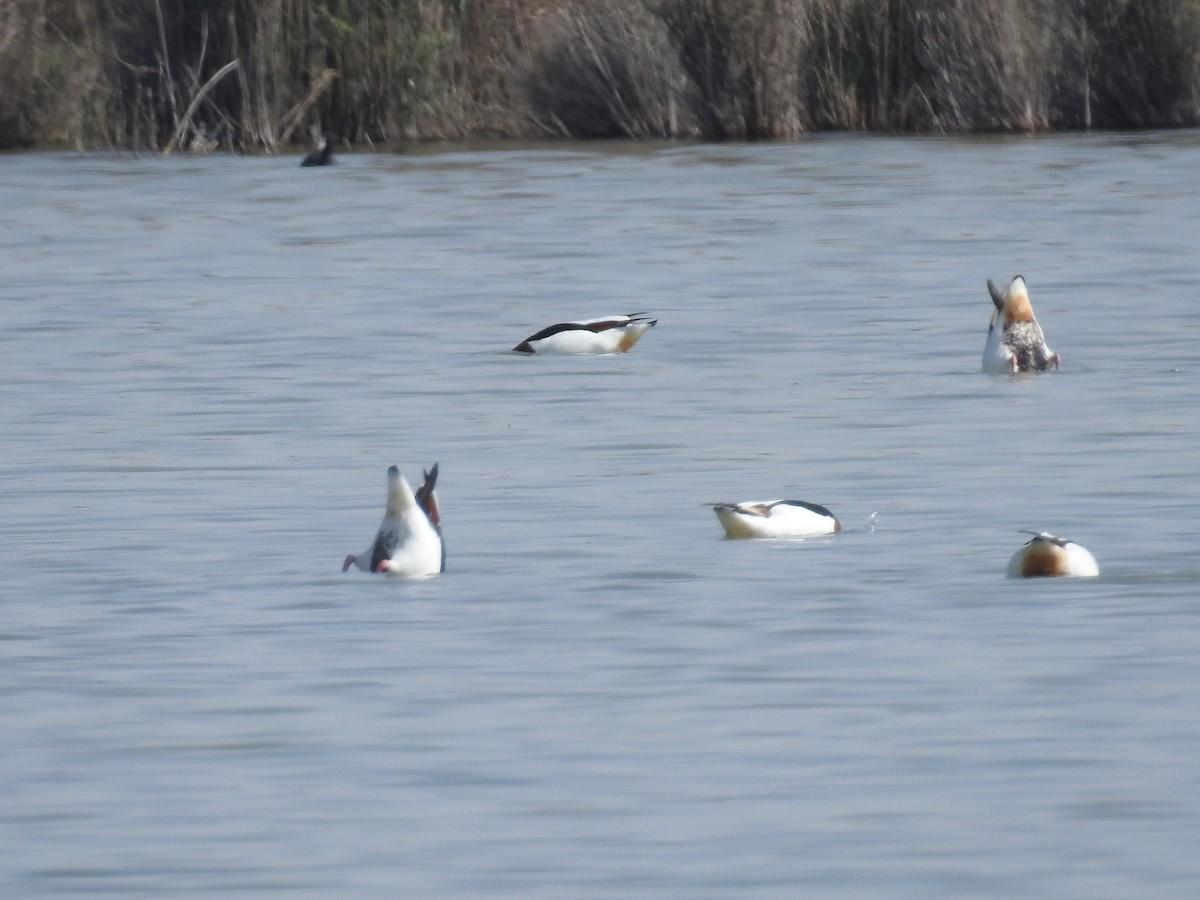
x=257, y=76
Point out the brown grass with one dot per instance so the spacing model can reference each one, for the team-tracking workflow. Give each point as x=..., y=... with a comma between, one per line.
x=603, y=70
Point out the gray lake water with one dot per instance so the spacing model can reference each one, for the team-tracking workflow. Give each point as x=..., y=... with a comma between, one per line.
x=207, y=365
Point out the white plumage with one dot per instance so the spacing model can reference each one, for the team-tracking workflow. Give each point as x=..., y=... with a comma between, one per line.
x=776, y=519
x=409, y=540
x=605, y=334
x=1047, y=556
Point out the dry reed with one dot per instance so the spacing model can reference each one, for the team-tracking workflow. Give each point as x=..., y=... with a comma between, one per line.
x=143, y=73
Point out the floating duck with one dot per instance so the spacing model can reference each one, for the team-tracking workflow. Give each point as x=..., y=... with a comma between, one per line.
x=409, y=540
x=776, y=519
x=1047, y=555
x=1015, y=342
x=607, y=334
x=322, y=156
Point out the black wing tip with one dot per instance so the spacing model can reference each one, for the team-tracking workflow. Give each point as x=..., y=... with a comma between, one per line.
x=818, y=508
x=1045, y=536
x=428, y=503
x=550, y=331
x=430, y=478
x=641, y=318
x=994, y=293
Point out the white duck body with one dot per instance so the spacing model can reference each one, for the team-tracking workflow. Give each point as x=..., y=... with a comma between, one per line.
x=606, y=334
x=409, y=541
x=1015, y=342
x=1049, y=556
x=776, y=519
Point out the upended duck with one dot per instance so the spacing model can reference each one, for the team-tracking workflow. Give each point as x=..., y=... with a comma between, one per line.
x=605, y=334
x=776, y=519
x=409, y=540
x=1015, y=342
x=1046, y=555
x=322, y=156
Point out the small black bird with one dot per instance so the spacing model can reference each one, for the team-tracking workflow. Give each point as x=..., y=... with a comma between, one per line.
x=322, y=156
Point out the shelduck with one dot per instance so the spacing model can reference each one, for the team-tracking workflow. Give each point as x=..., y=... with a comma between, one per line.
x=1015, y=342
x=606, y=334
x=776, y=519
x=1047, y=555
x=409, y=540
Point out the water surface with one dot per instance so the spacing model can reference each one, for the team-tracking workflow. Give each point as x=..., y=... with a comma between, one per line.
x=207, y=365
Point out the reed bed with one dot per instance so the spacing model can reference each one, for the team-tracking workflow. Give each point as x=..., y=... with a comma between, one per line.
x=261, y=75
